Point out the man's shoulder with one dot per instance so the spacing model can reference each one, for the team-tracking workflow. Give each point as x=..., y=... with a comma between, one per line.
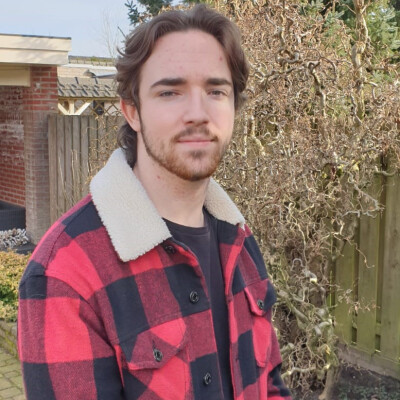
x=75, y=257
x=73, y=234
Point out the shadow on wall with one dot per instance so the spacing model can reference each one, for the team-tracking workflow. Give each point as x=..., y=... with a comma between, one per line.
x=12, y=229
x=11, y=216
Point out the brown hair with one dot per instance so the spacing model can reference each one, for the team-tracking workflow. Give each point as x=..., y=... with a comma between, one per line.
x=140, y=44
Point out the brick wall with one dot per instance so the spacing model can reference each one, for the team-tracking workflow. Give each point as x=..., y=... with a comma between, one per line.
x=39, y=101
x=12, y=170
x=24, y=166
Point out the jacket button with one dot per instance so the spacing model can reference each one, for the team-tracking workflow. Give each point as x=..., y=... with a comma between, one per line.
x=170, y=249
x=207, y=379
x=194, y=297
x=158, y=355
x=260, y=304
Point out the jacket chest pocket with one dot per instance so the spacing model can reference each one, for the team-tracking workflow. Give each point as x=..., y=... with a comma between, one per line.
x=260, y=298
x=155, y=361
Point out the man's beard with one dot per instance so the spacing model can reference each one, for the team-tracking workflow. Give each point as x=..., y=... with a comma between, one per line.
x=192, y=165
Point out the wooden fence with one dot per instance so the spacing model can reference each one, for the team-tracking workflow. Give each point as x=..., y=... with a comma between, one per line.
x=369, y=276
x=78, y=147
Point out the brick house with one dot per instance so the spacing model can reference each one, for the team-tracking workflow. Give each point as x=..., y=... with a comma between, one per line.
x=28, y=94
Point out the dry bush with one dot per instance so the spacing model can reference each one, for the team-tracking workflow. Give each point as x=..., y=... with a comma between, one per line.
x=319, y=124
x=106, y=142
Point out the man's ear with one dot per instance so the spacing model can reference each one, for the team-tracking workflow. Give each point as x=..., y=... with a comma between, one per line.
x=131, y=115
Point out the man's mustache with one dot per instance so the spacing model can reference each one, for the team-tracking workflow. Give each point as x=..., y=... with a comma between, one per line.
x=202, y=131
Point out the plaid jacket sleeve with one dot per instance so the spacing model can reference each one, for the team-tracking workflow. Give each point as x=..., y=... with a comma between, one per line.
x=62, y=347
x=277, y=389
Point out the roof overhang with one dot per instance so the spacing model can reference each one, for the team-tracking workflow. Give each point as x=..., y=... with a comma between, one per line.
x=34, y=50
x=19, y=52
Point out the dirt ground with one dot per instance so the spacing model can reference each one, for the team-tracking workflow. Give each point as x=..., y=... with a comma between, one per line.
x=360, y=384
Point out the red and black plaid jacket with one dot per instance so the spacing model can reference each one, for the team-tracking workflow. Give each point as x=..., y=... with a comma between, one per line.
x=112, y=308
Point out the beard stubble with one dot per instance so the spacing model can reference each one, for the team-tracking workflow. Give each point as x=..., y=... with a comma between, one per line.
x=192, y=166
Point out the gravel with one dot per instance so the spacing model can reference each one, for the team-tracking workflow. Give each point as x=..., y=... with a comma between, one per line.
x=13, y=238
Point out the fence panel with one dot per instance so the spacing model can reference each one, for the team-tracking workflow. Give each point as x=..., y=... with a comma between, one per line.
x=371, y=326
x=59, y=166
x=368, y=279
x=390, y=320
x=52, y=163
x=84, y=136
x=78, y=147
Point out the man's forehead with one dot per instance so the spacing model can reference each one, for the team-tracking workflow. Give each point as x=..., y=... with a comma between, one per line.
x=190, y=53
x=188, y=43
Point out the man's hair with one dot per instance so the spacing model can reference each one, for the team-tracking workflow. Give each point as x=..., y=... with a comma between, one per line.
x=140, y=44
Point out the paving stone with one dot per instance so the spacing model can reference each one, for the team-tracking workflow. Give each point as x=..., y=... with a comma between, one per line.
x=8, y=368
x=9, y=393
x=12, y=374
x=4, y=357
x=5, y=384
x=11, y=361
x=17, y=381
x=11, y=386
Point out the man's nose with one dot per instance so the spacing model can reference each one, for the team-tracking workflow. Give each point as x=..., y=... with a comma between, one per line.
x=196, y=109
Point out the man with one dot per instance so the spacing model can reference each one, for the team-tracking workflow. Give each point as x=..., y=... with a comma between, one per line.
x=153, y=287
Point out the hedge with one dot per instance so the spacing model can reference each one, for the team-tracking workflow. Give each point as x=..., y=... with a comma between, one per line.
x=12, y=266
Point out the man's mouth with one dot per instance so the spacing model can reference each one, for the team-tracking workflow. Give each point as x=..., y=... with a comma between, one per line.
x=193, y=136
x=196, y=139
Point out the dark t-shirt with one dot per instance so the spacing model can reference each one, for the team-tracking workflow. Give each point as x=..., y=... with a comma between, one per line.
x=203, y=242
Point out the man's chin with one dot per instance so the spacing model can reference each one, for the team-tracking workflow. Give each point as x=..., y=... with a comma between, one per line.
x=193, y=167
x=193, y=176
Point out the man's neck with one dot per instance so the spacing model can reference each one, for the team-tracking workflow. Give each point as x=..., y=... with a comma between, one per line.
x=175, y=199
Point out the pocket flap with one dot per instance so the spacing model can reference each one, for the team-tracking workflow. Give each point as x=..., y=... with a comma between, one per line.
x=154, y=347
x=261, y=296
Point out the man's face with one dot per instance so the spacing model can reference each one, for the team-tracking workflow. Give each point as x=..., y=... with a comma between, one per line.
x=186, y=105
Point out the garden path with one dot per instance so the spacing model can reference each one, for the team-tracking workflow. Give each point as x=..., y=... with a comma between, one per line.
x=10, y=377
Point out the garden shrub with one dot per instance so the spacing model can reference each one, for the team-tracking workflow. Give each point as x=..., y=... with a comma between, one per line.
x=12, y=266
x=320, y=125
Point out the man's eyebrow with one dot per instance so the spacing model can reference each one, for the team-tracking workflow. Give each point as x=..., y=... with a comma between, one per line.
x=169, y=82
x=182, y=81
x=218, y=81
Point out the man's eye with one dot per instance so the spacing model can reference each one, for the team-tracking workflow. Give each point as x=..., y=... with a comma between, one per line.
x=167, y=93
x=217, y=93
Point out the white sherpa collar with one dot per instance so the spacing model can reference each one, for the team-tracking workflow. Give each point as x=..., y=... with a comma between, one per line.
x=131, y=219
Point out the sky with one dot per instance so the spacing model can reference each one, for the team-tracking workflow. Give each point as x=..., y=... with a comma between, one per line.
x=91, y=24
